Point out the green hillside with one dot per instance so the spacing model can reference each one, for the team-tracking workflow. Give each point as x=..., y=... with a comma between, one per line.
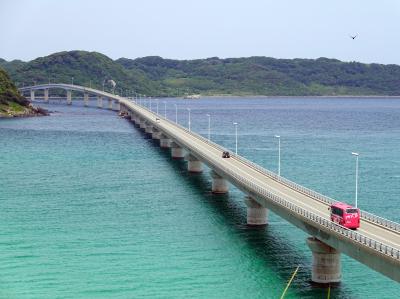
x=11, y=101
x=84, y=67
x=156, y=76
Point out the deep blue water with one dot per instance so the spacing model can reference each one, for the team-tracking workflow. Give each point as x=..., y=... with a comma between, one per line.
x=91, y=209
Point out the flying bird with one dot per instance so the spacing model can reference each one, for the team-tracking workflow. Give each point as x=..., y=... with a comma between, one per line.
x=353, y=37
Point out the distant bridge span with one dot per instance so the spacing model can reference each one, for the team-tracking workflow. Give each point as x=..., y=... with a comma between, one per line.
x=376, y=243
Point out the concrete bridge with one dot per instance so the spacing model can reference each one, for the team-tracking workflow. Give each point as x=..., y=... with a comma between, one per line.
x=104, y=99
x=376, y=243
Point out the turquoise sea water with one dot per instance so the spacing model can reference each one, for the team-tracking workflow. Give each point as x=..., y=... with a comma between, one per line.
x=90, y=208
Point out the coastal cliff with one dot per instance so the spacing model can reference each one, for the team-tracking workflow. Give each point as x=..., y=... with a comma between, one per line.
x=12, y=103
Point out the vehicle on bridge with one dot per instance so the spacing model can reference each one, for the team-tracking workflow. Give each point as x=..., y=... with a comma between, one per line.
x=345, y=215
x=226, y=155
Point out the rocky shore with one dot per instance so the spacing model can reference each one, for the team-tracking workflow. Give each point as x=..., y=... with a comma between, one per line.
x=13, y=103
x=22, y=111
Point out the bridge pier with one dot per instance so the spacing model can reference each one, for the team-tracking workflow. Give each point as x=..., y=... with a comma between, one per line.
x=99, y=102
x=149, y=130
x=256, y=213
x=326, y=267
x=46, y=95
x=123, y=109
x=69, y=97
x=194, y=164
x=219, y=184
x=110, y=104
x=165, y=142
x=136, y=119
x=156, y=134
x=177, y=152
x=86, y=99
x=142, y=124
x=32, y=95
x=126, y=111
x=117, y=106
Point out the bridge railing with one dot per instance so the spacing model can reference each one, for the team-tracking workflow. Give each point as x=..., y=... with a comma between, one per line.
x=258, y=190
x=322, y=198
x=311, y=193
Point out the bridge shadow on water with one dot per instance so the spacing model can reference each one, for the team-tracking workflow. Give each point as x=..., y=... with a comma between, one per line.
x=273, y=251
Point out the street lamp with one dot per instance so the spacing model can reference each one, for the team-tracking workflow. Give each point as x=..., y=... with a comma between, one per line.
x=176, y=113
x=188, y=109
x=90, y=84
x=209, y=126
x=356, y=155
x=165, y=109
x=236, y=137
x=279, y=154
x=72, y=80
x=157, y=105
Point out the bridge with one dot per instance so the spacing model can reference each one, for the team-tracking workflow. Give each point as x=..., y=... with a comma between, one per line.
x=376, y=243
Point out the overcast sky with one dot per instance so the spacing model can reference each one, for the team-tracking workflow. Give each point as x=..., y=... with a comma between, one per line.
x=186, y=29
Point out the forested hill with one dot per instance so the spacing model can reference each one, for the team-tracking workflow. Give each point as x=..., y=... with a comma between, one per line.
x=156, y=76
x=12, y=103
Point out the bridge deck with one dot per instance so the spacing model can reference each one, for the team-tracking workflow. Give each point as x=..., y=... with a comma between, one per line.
x=376, y=243
x=212, y=155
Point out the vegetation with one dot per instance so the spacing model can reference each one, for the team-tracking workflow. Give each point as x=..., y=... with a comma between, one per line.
x=12, y=103
x=8, y=91
x=156, y=76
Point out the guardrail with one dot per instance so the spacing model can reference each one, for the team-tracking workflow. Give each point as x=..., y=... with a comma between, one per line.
x=311, y=193
x=332, y=226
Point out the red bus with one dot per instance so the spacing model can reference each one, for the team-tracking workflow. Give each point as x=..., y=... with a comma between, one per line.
x=345, y=215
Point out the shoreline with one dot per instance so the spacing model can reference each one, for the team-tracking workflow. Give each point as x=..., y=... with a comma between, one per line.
x=257, y=96
x=312, y=97
x=29, y=111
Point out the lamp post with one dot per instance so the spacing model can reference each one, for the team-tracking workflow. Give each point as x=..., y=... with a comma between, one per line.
x=165, y=109
x=176, y=113
x=103, y=85
x=188, y=109
x=157, y=105
x=72, y=80
x=150, y=103
x=279, y=154
x=209, y=126
x=236, y=137
x=90, y=84
x=356, y=155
